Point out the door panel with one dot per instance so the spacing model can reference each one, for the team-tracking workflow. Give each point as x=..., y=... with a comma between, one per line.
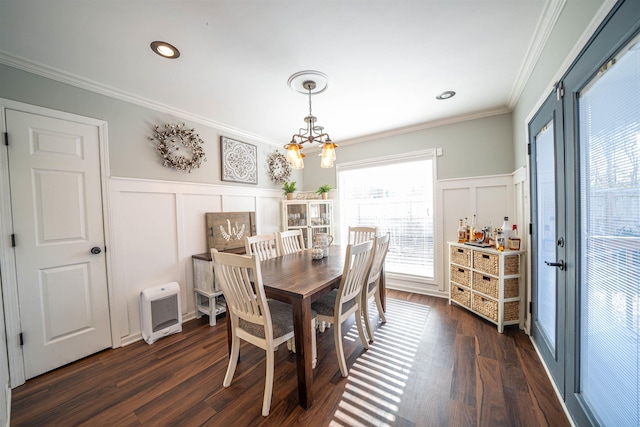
x=54, y=169
x=548, y=228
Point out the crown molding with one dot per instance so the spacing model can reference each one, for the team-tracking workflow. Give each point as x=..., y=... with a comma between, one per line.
x=545, y=27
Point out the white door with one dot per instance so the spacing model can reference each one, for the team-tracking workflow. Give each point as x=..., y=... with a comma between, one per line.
x=54, y=169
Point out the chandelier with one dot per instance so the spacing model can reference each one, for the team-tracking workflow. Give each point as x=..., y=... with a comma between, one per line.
x=311, y=83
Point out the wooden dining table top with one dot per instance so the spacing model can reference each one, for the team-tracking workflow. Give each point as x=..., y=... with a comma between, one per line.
x=298, y=275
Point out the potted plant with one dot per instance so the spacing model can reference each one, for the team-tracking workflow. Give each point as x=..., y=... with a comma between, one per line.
x=323, y=191
x=289, y=188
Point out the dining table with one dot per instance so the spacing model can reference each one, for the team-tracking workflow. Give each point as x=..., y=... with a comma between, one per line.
x=299, y=279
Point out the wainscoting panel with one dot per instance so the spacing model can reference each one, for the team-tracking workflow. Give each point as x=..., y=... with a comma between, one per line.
x=158, y=226
x=491, y=198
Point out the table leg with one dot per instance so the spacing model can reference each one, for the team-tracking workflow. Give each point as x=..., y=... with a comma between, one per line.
x=304, y=354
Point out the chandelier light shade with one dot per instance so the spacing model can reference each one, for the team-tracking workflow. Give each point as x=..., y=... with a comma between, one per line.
x=310, y=83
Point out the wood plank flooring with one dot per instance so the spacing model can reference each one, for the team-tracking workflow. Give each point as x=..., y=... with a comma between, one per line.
x=431, y=365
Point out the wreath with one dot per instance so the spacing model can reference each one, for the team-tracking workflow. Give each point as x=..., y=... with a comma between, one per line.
x=279, y=168
x=171, y=139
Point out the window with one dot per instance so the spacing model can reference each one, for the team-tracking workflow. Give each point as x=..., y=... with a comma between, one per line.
x=394, y=194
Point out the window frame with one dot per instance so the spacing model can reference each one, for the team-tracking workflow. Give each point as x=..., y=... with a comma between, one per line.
x=407, y=281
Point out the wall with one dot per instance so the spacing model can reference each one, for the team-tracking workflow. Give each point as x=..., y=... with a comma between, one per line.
x=131, y=154
x=476, y=147
x=159, y=225
x=560, y=50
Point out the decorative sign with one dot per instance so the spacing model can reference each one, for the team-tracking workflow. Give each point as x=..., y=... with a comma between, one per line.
x=226, y=230
x=239, y=161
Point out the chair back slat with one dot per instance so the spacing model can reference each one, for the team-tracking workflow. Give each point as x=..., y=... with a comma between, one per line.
x=356, y=271
x=240, y=279
x=380, y=254
x=361, y=234
x=290, y=241
x=263, y=245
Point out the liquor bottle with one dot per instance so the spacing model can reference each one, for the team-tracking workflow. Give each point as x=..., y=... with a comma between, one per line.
x=506, y=227
x=466, y=229
x=500, y=240
x=462, y=233
x=514, y=240
x=472, y=229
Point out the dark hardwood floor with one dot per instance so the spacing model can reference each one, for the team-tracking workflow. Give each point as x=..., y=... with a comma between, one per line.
x=431, y=365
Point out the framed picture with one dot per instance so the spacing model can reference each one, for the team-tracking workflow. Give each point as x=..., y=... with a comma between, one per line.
x=239, y=161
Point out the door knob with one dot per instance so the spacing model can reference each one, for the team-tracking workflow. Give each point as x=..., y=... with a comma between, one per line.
x=95, y=250
x=559, y=264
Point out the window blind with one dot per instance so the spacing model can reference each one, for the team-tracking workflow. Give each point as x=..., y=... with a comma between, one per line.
x=395, y=195
x=609, y=285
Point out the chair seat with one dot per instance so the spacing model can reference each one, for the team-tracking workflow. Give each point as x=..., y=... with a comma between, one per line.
x=326, y=305
x=281, y=320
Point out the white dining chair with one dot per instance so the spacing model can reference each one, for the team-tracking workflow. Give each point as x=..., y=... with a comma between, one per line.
x=372, y=288
x=265, y=323
x=336, y=306
x=290, y=241
x=361, y=234
x=263, y=245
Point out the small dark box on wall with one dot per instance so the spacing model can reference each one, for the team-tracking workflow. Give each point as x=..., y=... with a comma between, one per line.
x=226, y=230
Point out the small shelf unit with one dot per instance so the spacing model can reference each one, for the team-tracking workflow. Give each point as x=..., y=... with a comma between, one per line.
x=209, y=298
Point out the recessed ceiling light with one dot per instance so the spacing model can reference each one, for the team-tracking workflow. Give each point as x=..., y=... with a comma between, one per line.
x=446, y=95
x=165, y=50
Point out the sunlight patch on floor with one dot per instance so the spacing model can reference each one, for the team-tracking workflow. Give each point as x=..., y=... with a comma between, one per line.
x=378, y=377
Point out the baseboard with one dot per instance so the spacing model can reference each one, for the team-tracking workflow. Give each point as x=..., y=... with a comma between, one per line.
x=138, y=336
x=553, y=384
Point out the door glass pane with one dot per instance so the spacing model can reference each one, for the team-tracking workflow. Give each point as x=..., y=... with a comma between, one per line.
x=609, y=144
x=546, y=195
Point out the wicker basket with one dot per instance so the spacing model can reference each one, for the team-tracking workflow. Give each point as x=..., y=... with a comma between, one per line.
x=511, y=264
x=486, y=284
x=511, y=311
x=461, y=295
x=461, y=276
x=461, y=256
x=485, y=306
x=511, y=288
x=488, y=263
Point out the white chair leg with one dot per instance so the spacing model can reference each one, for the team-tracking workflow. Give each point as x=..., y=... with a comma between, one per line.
x=337, y=335
x=365, y=317
x=291, y=345
x=233, y=361
x=363, y=337
x=268, y=383
x=379, y=305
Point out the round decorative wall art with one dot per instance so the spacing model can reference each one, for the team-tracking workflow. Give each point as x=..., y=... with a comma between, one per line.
x=279, y=168
x=175, y=137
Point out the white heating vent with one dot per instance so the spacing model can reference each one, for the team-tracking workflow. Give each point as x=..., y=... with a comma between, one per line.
x=160, y=313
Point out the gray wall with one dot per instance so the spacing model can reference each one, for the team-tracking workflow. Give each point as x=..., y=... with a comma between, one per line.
x=469, y=148
x=575, y=17
x=131, y=154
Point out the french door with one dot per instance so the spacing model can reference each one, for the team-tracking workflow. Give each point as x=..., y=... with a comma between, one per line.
x=548, y=198
x=586, y=314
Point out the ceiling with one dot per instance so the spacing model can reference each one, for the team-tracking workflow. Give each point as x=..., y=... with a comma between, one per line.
x=386, y=60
